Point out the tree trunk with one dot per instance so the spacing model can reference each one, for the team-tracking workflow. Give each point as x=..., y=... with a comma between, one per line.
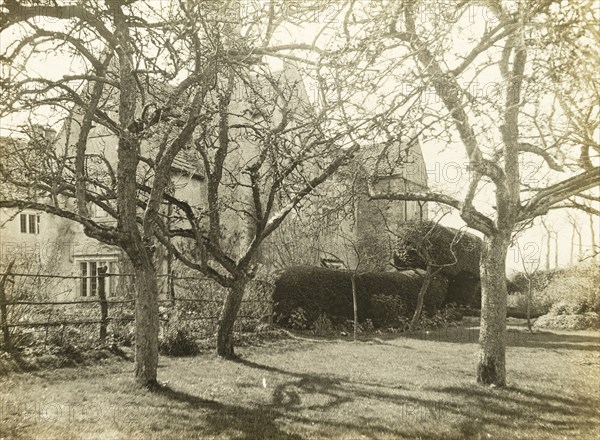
x=103, y=303
x=556, y=250
x=146, y=328
x=228, y=317
x=548, y=249
x=354, y=305
x=529, y=294
x=421, y=297
x=491, y=369
x=572, y=256
x=595, y=256
x=579, y=247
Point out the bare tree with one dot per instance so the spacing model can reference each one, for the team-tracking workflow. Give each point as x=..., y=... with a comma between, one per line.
x=434, y=266
x=530, y=271
x=498, y=132
x=576, y=240
x=549, y=233
x=116, y=60
x=187, y=83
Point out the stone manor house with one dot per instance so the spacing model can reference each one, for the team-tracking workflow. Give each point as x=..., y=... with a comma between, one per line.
x=53, y=245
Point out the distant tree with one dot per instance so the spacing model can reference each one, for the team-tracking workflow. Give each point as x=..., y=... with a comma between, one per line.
x=530, y=270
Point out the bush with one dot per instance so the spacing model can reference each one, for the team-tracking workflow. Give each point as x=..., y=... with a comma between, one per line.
x=586, y=321
x=405, y=285
x=323, y=325
x=298, y=319
x=178, y=340
x=540, y=304
x=461, y=258
x=452, y=313
x=122, y=333
x=576, y=290
x=540, y=279
x=387, y=310
x=315, y=291
x=467, y=248
x=464, y=288
x=575, y=306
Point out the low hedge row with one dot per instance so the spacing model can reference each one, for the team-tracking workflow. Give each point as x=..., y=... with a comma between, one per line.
x=319, y=290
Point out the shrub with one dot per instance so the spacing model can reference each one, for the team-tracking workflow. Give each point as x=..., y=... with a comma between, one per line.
x=540, y=279
x=461, y=260
x=323, y=325
x=122, y=333
x=586, y=321
x=386, y=310
x=574, y=291
x=540, y=304
x=256, y=307
x=405, y=286
x=178, y=340
x=314, y=290
x=452, y=313
x=298, y=319
x=318, y=290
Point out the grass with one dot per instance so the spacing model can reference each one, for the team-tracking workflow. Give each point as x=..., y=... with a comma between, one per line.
x=384, y=387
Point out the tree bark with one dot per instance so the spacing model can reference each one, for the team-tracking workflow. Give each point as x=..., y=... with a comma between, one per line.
x=595, y=253
x=228, y=316
x=529, y=294
x=548, y=250
x=354, y=305
x=103, y=303
x=146, y=329
x=556, y=250
x=491, y=369
x=421, y=297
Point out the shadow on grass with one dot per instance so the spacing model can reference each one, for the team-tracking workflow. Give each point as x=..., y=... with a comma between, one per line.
x=252, y=422
x=300, y=400
x=516, y=337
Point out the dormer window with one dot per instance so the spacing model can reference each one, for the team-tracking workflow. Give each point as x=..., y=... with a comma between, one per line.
x=332, y=263
x=30, y=223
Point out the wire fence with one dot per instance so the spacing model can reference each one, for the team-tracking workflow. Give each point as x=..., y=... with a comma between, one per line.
x=103, y=304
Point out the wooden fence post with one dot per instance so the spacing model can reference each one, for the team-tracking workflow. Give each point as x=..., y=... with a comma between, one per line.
x=3, y=312
x=103, y=304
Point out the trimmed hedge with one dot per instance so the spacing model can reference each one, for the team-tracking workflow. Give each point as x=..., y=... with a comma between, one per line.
x=319, y=290
x=464, y=286
x=464, y=289
x=467, y=248
x=316, y=290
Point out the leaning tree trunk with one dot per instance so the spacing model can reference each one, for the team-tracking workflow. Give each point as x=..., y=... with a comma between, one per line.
x=421, y=297
x=491, y=369
x=354, y=305
x=146, y=325
x=227, y=319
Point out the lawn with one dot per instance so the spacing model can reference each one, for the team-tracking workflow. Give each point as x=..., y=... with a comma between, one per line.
x=386, y=386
